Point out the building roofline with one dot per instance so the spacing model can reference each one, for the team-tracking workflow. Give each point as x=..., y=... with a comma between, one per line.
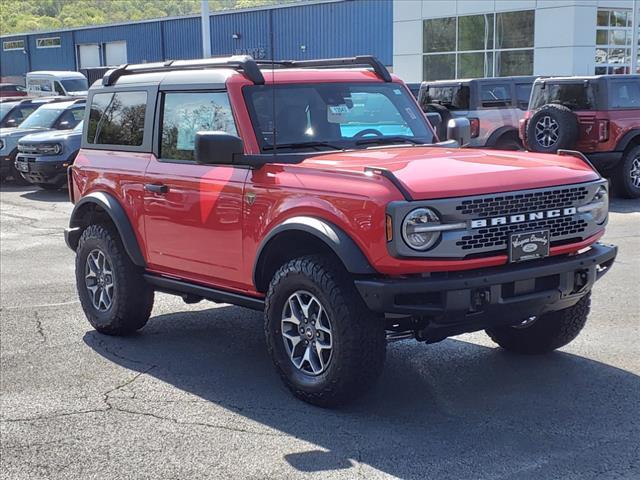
x=298, y=3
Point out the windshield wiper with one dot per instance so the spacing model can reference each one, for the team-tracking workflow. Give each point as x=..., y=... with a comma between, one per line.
x=315, y=145
x=388, y=140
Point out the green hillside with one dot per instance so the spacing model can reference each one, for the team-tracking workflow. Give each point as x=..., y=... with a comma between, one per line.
x=18, y=16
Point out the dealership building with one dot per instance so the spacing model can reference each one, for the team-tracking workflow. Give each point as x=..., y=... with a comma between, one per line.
x=445, y=39
x=419, y=39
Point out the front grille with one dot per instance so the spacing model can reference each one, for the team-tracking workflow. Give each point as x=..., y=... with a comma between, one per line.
x=499, y=235
x=522, y=202
x=27, y=148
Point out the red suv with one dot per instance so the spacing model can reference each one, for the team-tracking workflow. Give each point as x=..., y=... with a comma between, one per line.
x=317, y=196
x=598, y=116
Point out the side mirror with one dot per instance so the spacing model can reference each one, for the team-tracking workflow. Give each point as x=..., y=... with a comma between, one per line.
x=64, y=125
x=459, y=129
x=217, y=148
x=11, y=123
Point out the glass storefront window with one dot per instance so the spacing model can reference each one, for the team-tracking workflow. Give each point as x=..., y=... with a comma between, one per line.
x=475, y=32
x=439, y=35
x=439, y=67
x=613, y=41
x=513, y=62
x=515, y=29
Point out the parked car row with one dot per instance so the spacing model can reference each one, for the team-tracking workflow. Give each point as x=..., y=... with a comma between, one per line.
x=598, y=116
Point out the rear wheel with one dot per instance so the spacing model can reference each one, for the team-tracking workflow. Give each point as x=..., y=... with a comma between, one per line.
x=546, y=333
x=325, y=344
x=627, y=175
x=114, y=296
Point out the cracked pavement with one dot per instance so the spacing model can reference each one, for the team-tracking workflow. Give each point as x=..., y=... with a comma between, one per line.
x=194, y=395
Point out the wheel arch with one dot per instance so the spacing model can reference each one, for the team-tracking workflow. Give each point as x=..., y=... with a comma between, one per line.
x=304, y=235
x=498, y=133
x=629, y=139
x=101, y=204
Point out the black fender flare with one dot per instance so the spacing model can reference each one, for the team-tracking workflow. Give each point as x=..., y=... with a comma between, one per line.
x=499, y=132
x=334, y=237
x=624, y=142
x=117, y=214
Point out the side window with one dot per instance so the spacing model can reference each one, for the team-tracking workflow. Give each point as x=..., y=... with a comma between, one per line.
x=117, y=118
x=185, y=113
x=625, y=94
x=59, y=89
x=495, y=95
x=523, y=92
x=20, y=114
x=454, y=97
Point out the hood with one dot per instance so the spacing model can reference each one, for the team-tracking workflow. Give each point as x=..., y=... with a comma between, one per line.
x=49, y=136
x=434, y=172
x=18, y=132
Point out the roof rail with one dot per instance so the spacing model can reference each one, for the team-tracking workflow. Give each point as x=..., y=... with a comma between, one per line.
x=363, y=60
x=241, y=62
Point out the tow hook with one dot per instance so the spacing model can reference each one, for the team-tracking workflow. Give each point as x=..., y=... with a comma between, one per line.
x=479, y=298
x=580, y=280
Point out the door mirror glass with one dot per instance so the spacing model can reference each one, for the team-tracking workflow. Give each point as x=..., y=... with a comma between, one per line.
x=459, y=129
x=218, y=148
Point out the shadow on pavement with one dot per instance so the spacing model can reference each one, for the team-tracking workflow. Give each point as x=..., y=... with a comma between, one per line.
x=624, y=205
x=49, y=196
x=450, y=410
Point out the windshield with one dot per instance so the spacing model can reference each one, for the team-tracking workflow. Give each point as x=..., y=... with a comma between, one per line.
x=335, y=115
x=78, y=128
x=75, y=84
x=42, y=118
x=576, y=96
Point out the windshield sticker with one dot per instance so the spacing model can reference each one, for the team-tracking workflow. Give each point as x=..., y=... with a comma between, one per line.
x=337, y=113
x=410, y=113
x=397, y=91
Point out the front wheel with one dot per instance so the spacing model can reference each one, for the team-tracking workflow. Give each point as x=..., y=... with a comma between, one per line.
x=113, y=293
x=325, y=344
x=546, y=333
x=627, y=176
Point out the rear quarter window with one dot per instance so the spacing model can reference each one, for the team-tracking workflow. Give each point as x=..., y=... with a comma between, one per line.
x=117, y=118
x=454, y=97
x=624, y=94
x=576, y=96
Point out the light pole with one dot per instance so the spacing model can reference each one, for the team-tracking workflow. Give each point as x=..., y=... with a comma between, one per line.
x=206, y=28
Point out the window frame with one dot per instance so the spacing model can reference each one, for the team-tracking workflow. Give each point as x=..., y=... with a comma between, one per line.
x=147, y=137
x=609, y=92
x=627, y=47
x=12, y=49
x=38, y=40
x=157, y=142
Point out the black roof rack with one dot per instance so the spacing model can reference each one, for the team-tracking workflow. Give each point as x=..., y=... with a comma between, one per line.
x=242, y=62
x=363, y=60
x=248, y=65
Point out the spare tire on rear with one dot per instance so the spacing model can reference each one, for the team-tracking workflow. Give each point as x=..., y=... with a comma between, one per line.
x=445, y=116
x=552, y=127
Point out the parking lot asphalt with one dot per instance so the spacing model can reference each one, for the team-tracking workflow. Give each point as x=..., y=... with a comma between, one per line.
x=194, y=394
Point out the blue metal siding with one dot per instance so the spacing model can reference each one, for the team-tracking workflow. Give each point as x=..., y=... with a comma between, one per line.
x=143, y=40
x=182, y=39
x=62, y=58
x=13, y=62
x=336, y=29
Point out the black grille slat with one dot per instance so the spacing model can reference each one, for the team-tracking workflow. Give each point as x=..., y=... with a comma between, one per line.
x=511, y=204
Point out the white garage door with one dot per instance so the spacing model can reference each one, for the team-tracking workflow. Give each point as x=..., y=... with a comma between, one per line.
x=115, y=53
x=89, y=55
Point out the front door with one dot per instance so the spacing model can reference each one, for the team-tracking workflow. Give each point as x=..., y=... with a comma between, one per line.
x=193, y=212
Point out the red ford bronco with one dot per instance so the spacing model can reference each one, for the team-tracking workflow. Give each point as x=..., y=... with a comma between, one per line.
x=317, y=195
x=598, y=116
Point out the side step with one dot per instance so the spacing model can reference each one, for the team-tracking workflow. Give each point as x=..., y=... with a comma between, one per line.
x=178, y=287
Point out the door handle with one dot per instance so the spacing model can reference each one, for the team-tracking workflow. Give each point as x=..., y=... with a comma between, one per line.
x=156, y=188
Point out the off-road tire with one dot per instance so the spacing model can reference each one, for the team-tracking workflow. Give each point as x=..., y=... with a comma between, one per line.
x=549, y=332
x=568, y=131
x=359, y=343
x=624, y=174
x=445, y=116
x=132, y=296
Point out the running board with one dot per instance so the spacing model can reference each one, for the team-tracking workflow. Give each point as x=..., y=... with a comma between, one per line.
x=181, y=288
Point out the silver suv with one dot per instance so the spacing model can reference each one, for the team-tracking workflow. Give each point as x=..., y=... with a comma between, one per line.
x=494, y=107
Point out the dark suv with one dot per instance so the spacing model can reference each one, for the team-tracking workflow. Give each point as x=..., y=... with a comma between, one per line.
x=318, y=196
x=494, y=106
x=598, y=116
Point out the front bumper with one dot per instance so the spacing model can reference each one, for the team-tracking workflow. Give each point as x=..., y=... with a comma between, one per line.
x=458, y=302
x=52, y=170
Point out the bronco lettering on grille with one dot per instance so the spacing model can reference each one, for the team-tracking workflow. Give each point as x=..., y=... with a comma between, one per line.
x=522, y=217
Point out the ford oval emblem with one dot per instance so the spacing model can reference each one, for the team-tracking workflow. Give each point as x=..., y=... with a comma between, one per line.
x=529, y=248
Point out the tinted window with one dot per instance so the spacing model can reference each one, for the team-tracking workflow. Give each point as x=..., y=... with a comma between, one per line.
x=339, y=115
x=184, y=114
x=117, y=118
x=452, y=97
x=523, y=92
x=495, y=95
x=576, y=96
x=624, y=94
x=75, y=84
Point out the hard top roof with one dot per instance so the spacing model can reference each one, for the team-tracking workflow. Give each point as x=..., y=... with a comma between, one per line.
x=578, y=79
x=515, y=78
x=57, y=73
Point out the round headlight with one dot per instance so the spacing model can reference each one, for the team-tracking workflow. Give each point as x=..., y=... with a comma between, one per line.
x=57, y=148
x=602, y=198
x=415, y=229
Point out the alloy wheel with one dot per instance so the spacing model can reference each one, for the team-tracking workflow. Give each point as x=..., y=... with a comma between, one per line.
x=99, y=280
x=547, y=131
x=306, y=333
x=634, y=172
